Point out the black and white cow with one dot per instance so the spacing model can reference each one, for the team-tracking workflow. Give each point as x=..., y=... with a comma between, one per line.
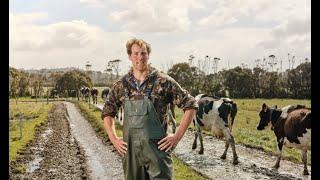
x=217, y=116
x=54, y=93
x=104, y=93
x=292, y=127
x=85, y=93
x=94, y=94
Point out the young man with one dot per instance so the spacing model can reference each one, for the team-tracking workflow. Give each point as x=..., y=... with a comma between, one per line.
x=145, y=94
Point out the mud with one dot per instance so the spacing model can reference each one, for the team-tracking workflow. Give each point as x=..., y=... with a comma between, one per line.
x=253, y=164
x=53, y=154
x=103, y=161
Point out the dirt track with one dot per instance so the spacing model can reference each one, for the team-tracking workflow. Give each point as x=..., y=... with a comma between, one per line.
x=54, y=153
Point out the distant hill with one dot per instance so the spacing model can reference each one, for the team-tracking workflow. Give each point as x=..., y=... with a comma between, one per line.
x=99, y=78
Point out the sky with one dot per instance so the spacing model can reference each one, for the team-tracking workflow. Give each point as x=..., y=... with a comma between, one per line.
x=70, y=33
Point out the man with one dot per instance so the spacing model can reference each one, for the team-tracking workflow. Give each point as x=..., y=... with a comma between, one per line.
x=145, y=93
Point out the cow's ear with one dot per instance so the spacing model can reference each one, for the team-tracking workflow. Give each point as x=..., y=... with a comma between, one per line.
x=264, y=107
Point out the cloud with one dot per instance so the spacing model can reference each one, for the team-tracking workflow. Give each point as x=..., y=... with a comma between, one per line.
x=94, y=3
x=63, y=44
x=293, y=27
x=156, y=16
x=24, y=35
x=264, y=11
x=26, y=18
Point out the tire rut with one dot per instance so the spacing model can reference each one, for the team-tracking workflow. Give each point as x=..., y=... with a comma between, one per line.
x=53, y=154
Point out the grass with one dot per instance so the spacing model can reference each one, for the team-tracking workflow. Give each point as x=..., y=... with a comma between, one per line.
x=244, y=128
x=33, y=115
x=181, y=171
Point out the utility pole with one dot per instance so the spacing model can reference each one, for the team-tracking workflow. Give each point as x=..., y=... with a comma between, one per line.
x=216, y=60
x=289, y=61
x=191, y=57
x=272, y=61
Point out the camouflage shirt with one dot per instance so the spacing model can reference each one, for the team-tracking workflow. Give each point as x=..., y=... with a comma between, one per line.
x=164, y=91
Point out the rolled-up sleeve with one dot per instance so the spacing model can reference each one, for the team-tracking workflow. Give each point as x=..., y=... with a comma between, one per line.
x=181, y=97
x=113, y=102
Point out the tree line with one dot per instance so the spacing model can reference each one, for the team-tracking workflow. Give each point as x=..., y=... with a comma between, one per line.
x=23, y=84
x=238, y=82
x=242, y=82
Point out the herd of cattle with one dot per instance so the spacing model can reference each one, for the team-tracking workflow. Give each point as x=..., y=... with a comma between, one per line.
x=291, y=124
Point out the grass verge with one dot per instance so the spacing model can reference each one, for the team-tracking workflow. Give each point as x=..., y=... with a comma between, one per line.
x=24, y=119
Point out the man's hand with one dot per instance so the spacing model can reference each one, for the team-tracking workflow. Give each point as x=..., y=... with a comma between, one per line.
x=171, y=141
x=120, y=145
x=117, y=142
x=168, y=143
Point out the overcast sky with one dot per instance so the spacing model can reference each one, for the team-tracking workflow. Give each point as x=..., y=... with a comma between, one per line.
x=68, y=33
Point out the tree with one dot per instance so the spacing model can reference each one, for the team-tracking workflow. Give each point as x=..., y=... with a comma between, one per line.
x=188, y=77
x=36, y=82
x=14, y=77
x=72, y=80
x=239, y=82
x=299, y=81
x=24, y=85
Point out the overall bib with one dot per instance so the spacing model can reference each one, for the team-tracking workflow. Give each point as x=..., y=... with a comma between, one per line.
x=142, y=130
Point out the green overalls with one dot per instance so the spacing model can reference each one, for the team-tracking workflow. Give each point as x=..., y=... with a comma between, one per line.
x=142, y=130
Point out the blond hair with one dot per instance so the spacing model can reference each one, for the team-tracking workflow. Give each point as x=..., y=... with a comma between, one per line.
x=140, y=43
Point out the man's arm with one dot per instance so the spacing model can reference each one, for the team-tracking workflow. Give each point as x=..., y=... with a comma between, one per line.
x=172, y=140
x=117, y=142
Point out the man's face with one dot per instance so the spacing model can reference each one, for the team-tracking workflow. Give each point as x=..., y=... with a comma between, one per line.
x=139, y=57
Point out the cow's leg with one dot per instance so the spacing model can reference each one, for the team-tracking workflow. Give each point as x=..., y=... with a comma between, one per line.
x=279, y=145
x=304, y=160
x=194, y=145
x=230, y=140
x=224, y=155
x=174, y=125
x=201, y=142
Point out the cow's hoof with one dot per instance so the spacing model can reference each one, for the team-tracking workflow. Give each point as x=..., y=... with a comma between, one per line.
x=276, y=166
x=194, y=146
x=201, y=152
x=235, y=161
x=305, y=172
x=224, y=156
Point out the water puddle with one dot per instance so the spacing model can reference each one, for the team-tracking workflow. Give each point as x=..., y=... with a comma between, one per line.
x=35, y=163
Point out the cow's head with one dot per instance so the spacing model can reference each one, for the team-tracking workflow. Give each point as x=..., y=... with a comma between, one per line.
x=268, y=115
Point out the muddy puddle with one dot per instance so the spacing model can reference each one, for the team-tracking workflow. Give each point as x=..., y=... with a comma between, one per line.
x=35, y=163
x=253, y=164
x=53, y=154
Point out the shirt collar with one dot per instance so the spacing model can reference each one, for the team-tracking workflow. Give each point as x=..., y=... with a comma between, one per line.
x=134, y=82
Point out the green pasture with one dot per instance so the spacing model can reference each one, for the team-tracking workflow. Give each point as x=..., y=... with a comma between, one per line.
x=24, y=119
x=181, y=171
x=244, y=129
